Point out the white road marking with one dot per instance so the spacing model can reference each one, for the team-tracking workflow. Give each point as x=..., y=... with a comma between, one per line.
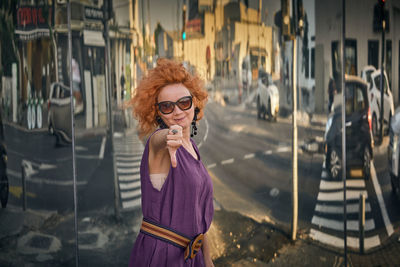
x=102, y=147
x=228, y=161
x=128, y=154
x=118, y=134
x=268, y=152
x=126, y=178
x=331, y=185
x=378, y=191
x=211, y=166
x=205, y=135
x=351, y=208
x=128, y=164
x=80, y=148
x=127, y=170
x=249, y=156
x=132, y=203
x=369, y=242
x=283, y=149
x=352, y=225
x=324, y=174
x=126, y=186
x=338, y=196
x=119, y=158
x=131, y=194
x=38, y=180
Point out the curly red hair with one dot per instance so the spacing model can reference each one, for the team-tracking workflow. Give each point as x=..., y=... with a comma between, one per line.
x=165, y=73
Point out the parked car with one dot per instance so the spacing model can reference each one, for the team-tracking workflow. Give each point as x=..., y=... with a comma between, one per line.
x=374, y=95
x=359, y=141
x=59, y=113
x=267, y=97
x=366, y=75
x=4, y=186
x=394, y=152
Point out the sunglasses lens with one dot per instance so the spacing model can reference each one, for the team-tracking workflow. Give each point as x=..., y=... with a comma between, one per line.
x=185, y=103
x=166, y=107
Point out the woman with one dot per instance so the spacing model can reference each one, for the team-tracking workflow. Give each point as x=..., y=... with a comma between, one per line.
x=177, y=194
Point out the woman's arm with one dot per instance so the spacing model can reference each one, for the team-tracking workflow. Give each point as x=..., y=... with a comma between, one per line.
x=206, y=252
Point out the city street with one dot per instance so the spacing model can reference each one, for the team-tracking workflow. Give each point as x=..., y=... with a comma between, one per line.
x=250, y=163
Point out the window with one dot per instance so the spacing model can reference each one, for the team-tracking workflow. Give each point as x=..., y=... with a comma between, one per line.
x=350, y=60
x=355, y=98
x=378, y=83
x=373, y=53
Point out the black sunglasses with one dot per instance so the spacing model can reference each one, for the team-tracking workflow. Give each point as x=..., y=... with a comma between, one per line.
x=167, y=107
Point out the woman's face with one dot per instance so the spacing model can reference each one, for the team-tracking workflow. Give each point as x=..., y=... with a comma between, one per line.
x=174, y=93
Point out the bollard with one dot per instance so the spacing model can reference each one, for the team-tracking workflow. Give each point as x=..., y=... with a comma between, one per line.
x=23, y=186
x=361, y=221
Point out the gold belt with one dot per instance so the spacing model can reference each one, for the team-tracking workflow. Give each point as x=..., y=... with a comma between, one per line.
x=191, y=246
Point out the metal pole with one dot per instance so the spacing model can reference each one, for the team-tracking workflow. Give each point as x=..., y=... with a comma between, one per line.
x=73, y=135
x=111, y=132
x=294, y=143
x=342, y=51
x=361, y=222
x=382, y=84
x=23, y=186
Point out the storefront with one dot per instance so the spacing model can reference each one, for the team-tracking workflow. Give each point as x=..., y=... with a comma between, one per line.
x=36, y=69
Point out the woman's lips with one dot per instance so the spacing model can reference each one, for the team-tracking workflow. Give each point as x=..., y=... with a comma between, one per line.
x=180, y=119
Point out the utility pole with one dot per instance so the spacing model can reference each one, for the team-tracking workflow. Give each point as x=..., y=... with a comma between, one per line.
x=381, y=4
x=75, y=189
x=342, y=52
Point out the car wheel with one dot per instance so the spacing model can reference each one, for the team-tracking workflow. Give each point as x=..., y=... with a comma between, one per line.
x=4, y=188
x=395, y=188
x=367, y=163
x=51, y=129
x=374, y=126
x=269, y=110
x=334, y=163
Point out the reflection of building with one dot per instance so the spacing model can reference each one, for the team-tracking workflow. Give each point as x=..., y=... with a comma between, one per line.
x=363, y=45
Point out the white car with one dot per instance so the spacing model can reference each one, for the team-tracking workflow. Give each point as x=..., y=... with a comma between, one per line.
x=366, y=74
x=374, y=95
x=267, y=97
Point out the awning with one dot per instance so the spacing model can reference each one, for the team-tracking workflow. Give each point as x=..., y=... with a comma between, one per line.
x=32, y=34
x=93, y=38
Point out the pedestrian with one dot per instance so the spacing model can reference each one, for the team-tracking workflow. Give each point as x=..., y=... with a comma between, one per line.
x=331, y=92
x=122, y=82
x=177, y=192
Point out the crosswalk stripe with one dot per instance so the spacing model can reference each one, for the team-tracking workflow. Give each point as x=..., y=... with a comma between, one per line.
x=369, y=242
x=118, y=158
x=352, y=225
x=338, y=196
x=128, y=164
x=351, y=208
x=132, y=203
x=127, y=170
x=324, y=174
x=128, y=154
x=131, y=194
x=126, y=186
x=331, y=185
x=128, y=178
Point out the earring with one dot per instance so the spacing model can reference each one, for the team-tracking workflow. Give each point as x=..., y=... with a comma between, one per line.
x=161, y=123
x=194, y=126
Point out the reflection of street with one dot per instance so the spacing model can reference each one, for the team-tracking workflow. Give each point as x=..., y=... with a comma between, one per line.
x=250, y=163
x=128, y=155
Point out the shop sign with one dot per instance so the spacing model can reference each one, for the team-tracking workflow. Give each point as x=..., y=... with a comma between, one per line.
x=93, y=13
x=31, y=23
x=93, y=38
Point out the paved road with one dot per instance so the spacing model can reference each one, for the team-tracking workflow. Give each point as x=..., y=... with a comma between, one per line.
x=250, y=162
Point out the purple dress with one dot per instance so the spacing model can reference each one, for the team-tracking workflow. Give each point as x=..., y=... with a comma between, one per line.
x=185, y=204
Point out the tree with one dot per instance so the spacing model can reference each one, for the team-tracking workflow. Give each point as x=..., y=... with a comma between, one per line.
x=7, y=40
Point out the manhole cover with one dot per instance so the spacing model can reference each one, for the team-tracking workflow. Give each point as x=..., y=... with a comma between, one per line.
x=39, y=241
x=87, y=238
x=274, y=192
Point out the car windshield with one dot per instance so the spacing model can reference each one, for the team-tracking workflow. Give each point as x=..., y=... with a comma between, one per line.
x=378, y=83
x=355, y=98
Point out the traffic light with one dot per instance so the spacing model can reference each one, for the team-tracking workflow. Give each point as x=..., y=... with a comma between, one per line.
x=286, y=29
x=184, y=22
x=380, y=15
x=299, y=17
x=107, y=9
